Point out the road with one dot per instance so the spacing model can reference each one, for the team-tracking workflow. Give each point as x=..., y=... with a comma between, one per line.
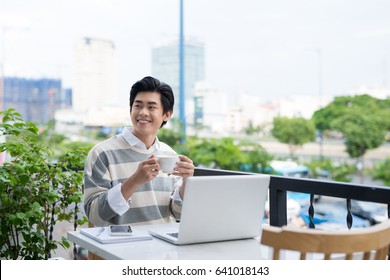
x=335, y=150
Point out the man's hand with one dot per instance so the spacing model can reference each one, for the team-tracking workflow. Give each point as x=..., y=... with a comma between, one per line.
x=185, y=168
x=147, y=170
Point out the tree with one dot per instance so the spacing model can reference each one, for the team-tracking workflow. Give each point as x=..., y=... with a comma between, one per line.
x=324, y=117
x=215, y=152
x=293, y=131
x=355, y=124
x=363, y=120
x=382, y=171
x=251, y=129
x=255, y=157
x=58, y=142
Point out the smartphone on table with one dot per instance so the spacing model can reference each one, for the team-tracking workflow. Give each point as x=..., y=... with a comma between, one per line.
x=120, y=230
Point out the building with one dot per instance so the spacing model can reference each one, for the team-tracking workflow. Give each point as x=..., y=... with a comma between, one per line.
x=95, y=74
x=207, y=114
x=68, y=94
x=92, y=102
x=35, y=99
x=165, y=66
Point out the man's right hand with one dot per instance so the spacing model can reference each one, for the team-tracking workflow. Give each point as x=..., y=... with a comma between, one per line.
x=147, y=170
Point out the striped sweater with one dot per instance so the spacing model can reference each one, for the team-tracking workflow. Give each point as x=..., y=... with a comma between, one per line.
x=113, y=161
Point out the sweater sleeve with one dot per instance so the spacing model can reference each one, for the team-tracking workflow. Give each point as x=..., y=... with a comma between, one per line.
x=97, y=184
x=176, y=201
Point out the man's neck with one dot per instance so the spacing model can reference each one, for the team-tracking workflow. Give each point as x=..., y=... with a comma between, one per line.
x=148, y=140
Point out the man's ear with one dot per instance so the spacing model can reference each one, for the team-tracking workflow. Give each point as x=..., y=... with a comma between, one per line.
x=167, y=116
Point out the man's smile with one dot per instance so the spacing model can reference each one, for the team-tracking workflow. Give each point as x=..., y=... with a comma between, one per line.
x=143, y=121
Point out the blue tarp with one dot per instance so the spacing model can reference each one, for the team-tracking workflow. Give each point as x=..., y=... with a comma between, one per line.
x=336, y=215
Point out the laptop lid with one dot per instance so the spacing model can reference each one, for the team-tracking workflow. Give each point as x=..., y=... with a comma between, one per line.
x=217, y=208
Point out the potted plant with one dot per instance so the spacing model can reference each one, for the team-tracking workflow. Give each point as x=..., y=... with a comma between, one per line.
x=35, y=193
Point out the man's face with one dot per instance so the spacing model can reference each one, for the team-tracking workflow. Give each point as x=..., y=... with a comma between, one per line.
x=147, y=114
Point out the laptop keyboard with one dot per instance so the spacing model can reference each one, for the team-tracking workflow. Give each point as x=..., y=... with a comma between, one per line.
x=173, y=234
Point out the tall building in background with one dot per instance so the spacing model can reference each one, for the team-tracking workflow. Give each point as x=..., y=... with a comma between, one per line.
x=95, y=74
x=165, y=66
x=35, y=99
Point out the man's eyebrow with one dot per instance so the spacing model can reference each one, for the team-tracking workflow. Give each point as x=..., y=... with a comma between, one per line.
x=149, y=102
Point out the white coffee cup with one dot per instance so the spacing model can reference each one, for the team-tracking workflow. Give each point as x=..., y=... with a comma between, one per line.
x=167, y=162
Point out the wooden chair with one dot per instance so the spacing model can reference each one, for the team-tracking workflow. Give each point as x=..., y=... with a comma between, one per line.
x=373, y=241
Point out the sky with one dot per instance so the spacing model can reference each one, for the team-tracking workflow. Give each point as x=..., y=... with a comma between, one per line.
x=265, y=48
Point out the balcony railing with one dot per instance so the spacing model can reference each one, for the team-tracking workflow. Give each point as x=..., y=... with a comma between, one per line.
x=280, y=185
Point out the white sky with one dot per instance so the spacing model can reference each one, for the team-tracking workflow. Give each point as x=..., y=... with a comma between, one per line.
x=261, y=47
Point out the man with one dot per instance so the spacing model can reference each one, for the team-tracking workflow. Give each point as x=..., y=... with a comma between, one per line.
x=122, y=179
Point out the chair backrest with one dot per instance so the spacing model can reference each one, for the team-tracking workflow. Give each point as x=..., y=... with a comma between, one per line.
x=373, y=242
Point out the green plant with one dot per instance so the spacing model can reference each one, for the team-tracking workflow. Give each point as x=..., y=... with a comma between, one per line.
x=35, y=193
x=382, y=171
x=341, y=172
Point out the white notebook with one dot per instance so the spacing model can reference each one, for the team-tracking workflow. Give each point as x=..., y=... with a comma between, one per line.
x=102, y=235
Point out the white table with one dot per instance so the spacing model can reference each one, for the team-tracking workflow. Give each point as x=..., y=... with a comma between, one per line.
x=156, y=249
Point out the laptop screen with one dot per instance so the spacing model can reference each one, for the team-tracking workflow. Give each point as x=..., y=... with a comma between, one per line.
x=219, y=208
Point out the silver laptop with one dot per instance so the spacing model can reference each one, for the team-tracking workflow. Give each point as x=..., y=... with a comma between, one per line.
x=217, y=208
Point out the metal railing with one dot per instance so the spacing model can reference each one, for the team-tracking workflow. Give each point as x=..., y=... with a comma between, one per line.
x=279, y=186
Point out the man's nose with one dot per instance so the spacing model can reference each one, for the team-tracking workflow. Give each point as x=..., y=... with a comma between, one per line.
x=144, y=111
